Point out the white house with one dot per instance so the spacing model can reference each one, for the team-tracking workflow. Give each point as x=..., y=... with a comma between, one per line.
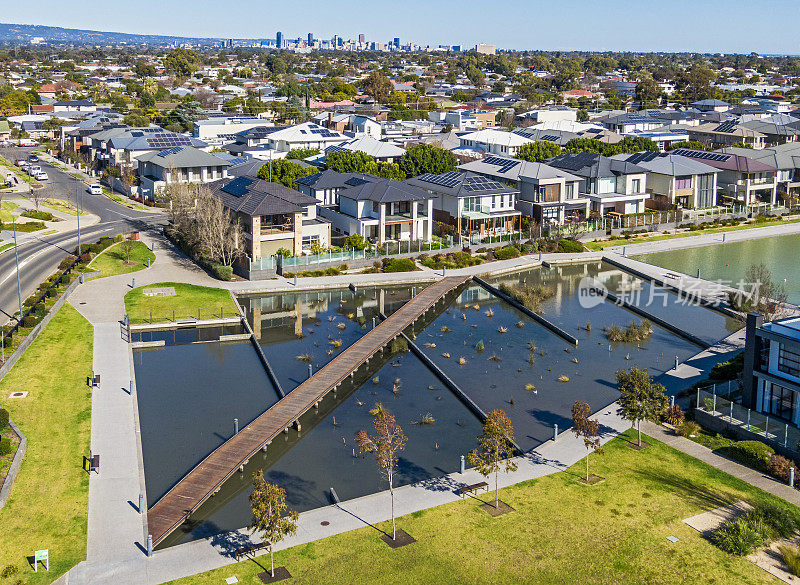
x=181, y=164
x=491, y=141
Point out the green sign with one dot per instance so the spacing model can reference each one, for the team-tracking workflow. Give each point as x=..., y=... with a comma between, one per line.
x=41, y=556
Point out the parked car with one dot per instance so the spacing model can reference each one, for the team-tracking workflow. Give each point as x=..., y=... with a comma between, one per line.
x=27, y=142
x=22, y=163
x=41, y=176
x=95, y=189
x=33, y=169
x=33, y=158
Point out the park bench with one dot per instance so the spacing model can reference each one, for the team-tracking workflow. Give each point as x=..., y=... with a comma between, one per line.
x=96, y=380
x=468, y=489
x=94, y=463
x=246, y=550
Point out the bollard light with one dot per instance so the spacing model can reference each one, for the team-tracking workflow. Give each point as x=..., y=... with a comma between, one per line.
x=555, y=431
x=791, y=477
x=236, y=426
x=149, y=545
x=141, y=503
x=462, y=464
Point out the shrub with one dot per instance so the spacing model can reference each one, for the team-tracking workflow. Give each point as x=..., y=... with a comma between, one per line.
x=567, y=245
x=398, y=265
x=85, y=258
x=791, y=556
x=753, y=454
x=67, y=262
x=217, y=270
x=739, y=537
x=29, y=321
x=674, y=415
x=506, y=253
x=41, y=215
x=5, y=446
x=778, y=467
x=3, y=418
x=688, y=428
x=728, y=370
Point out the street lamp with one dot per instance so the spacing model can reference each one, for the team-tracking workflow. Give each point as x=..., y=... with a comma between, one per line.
x=16, y=257
x=78, y=213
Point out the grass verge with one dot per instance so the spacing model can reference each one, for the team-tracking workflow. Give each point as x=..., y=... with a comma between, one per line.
x=48, y=503
x=560, y=532
x=111, y=261
x=189, y=301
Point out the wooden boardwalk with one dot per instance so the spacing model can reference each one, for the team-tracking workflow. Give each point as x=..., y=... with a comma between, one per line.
x=169, y=512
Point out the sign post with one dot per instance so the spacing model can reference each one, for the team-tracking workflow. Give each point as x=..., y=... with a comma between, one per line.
x=41, y=556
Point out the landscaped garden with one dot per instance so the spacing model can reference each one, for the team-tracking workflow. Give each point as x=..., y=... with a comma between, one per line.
x=47, y=507
x=561, y=531
x=122, y=258
x=189, y=301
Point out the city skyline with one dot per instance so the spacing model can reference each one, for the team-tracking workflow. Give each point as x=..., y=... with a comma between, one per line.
x=582, y=26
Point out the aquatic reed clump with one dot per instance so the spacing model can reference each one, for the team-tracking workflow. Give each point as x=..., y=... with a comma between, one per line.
x=563, y=378
x=462, y=361
x=632, y=333
x=306, y=357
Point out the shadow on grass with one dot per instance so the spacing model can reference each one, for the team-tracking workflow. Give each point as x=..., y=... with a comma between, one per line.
x=699, y=495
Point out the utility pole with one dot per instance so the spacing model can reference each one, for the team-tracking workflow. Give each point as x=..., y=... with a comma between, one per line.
x=16, y=257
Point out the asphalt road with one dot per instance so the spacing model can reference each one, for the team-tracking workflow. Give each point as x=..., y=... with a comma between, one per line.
x=39, y=256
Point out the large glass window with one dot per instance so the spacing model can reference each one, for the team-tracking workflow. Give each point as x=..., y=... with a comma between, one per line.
x=788, y=360
x=778, y=401
x=569, y=191
x=683, y=182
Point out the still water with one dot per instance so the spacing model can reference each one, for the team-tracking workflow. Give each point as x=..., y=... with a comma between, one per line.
x=729, y=261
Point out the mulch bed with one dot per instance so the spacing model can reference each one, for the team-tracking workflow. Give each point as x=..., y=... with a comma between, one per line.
x=593, y=479
x=281, y=573
x=502, y=508
x=635, y=446
x=402, y=538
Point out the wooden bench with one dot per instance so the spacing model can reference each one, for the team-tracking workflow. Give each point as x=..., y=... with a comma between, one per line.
x=468, y=489
x=94, y=463
x=246, y=550
x=96, y=380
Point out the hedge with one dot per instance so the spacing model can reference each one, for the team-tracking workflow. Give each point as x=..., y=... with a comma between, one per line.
x=42, y=215
x=753, y=454
x=571, y=246
x=399, y=265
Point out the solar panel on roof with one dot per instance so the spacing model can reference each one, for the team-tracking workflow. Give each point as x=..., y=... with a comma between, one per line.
x=170, y=151
x=726, y=127
x=549, y=138
x=238, y=187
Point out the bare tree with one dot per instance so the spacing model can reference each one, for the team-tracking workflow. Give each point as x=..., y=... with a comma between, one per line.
x=38, y=196
x=219, y=232
x=760, y=292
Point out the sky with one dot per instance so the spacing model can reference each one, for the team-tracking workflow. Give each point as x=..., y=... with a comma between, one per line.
x=714, y=26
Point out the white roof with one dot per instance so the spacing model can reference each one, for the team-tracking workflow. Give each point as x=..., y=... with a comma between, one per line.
x=307, y=132
x=371, y=146
x=567, y=126
x=501, y=137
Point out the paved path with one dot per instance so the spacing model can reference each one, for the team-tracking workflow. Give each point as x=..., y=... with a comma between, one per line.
x=751, y=476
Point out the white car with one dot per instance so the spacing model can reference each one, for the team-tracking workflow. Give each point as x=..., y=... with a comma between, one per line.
x=23, y=163
x=33, y=169
x=41, y=176
x=95, y=189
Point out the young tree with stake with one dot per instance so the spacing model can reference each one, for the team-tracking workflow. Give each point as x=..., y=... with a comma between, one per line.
x=496, y=449
x=639, y=398
x=588, y=429
x=388, y=441
x=268, y=503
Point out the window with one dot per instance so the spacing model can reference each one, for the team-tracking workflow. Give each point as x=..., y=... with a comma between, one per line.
x=636, y=186
x=778, y=401
x=550, y=212
x=569, y=191
x=788, y=361
x=683, y=182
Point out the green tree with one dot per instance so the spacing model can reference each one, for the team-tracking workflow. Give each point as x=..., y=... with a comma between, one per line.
x=538, y=151
x=301, y=153
x=388, y=441
x=496, y=447
x=639, y=398
x=426, y=158
x=136, y=120
x=285, y=172
x=583, y=115
x=647, y=90
x=693, y=144
x=346, y=161
x=268, y=505
x=355, y=242
x=181, y=62
x=582, y=426
x=377, y=86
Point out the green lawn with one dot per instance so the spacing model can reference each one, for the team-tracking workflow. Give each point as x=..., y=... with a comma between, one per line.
x=111, y=261
x=6, y=209
x=48, y=503
x=62, y=206
x=560, y=532
x=188, y=299
x=598, y=246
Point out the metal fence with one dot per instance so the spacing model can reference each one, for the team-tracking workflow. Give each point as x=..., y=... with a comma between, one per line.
x=763, y=426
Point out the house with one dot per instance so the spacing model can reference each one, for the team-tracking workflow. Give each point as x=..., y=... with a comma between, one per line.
x=74, y=106
x=306, y=135
x=628, y=123
x=180, y=164
x=219, y=129
x=551, y=114
x=771, y=375
x=676, y=180
x=491, y=141
x=740, y=179
x=353, y=124
x=545, y=193
x=253, y=141
x=272, y=216
x=711, y=105
x=124, y=148
x=462, y=119
x=5, y=130
x=534, y=133
x=611, y=185
x=382, y=210
x=774, y=132
x=471, y=202
x=326, y=185
x=729, y=133
x=785, y=158
x=382, y=151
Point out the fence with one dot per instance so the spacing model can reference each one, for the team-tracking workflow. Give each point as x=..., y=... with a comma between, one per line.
x=746, y=421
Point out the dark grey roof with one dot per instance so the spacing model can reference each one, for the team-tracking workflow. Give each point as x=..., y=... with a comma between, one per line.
x=332, y=180
x=256, y=197
x=461, y=184
x=385, y=191
x=591, y=165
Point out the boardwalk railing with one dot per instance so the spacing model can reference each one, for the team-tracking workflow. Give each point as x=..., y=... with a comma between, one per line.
x=169, y=512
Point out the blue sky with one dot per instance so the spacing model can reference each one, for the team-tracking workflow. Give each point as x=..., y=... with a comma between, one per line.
x=764, y=26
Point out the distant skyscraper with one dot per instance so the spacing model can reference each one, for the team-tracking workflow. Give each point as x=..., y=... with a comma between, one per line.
x=397, y=42
x=279, y=40
x=362, y=38
x=310, y=39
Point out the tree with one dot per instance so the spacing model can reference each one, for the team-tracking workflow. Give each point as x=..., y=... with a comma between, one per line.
x=588, y=429
x=268, y=504
x=285, y=172
x=355, y=242
x=495, y=450
x=353, y=161
x=639, y=398
x=693, y=144
x=760, y=292
x=388, y=441
x=181, y=62
x=301, y=153
x=425, y=158
x=126, y=245
x=219, y=234
x=378, y=86
x=538, y=151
